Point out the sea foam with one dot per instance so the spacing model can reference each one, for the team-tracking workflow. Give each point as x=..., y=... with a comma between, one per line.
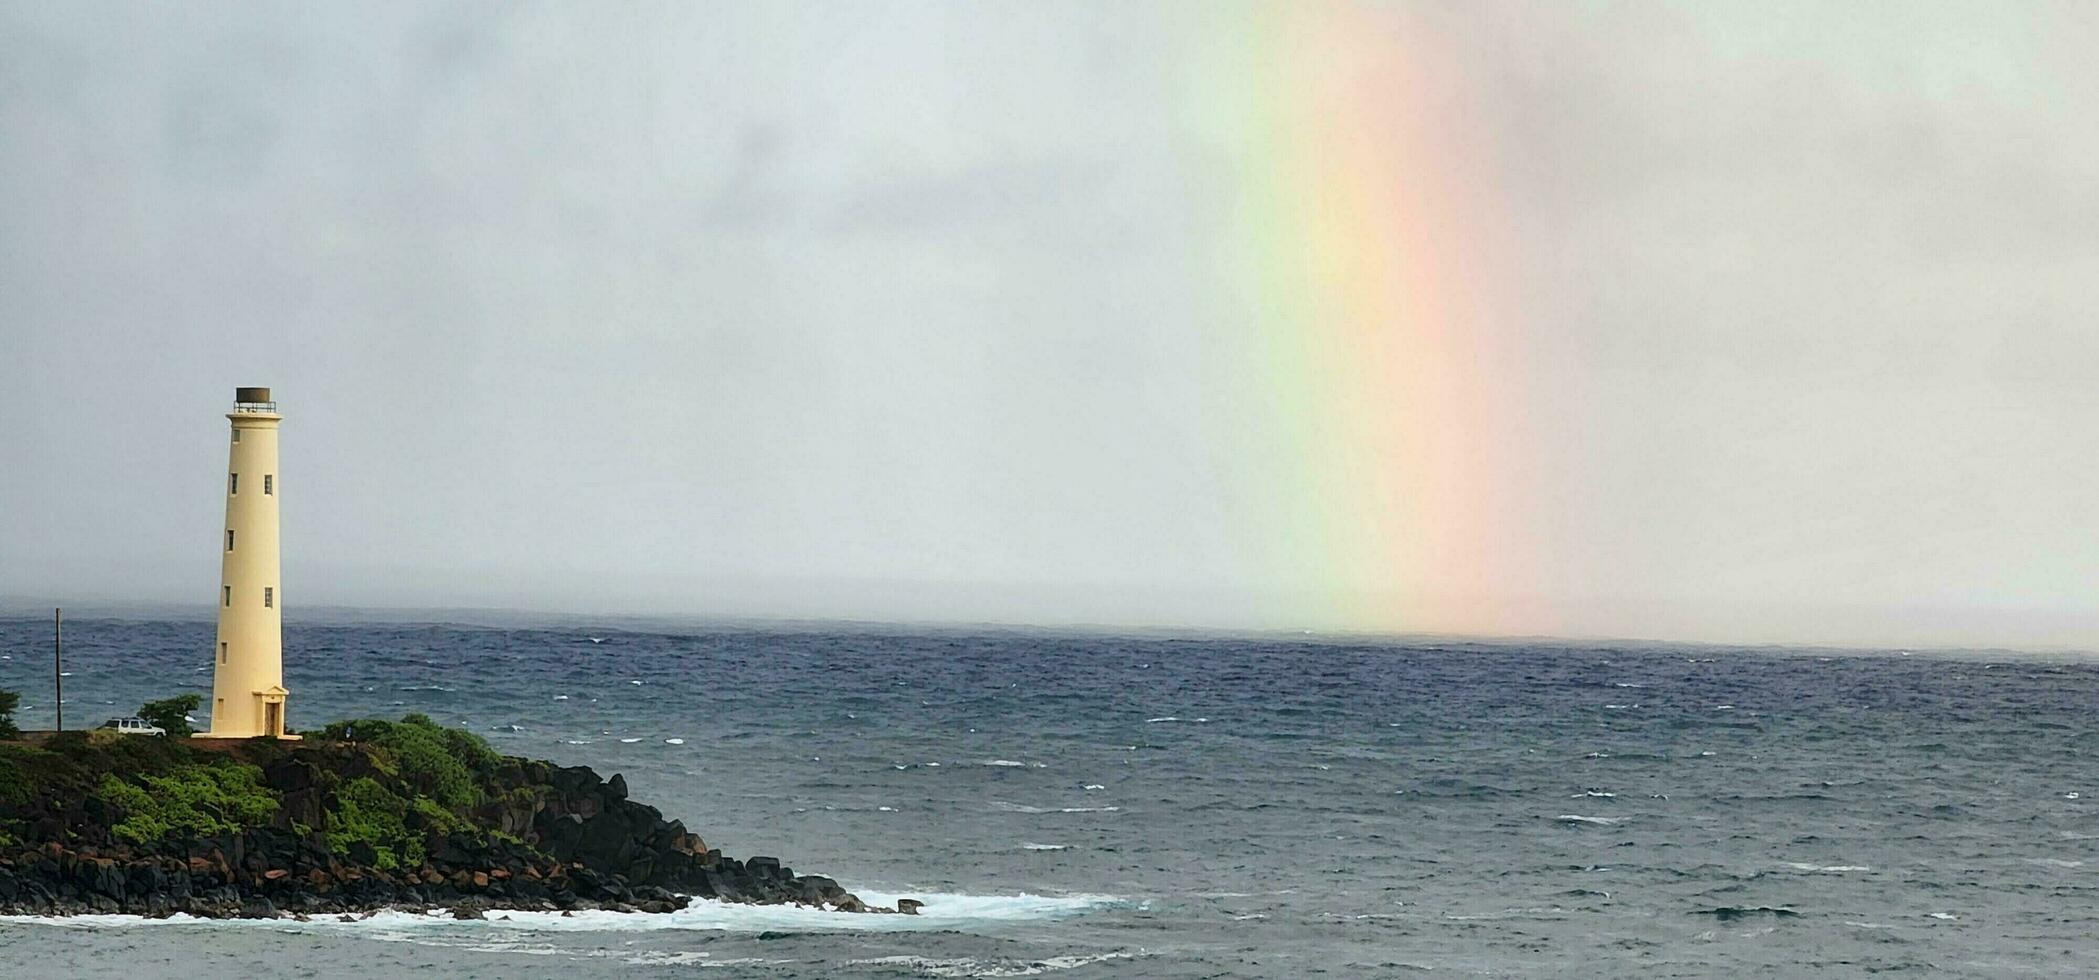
x=942, y=911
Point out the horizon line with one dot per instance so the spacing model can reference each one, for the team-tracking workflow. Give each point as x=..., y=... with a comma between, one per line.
x=331, y=614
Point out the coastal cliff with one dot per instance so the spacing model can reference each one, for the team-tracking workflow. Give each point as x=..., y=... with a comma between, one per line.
x=362, y=816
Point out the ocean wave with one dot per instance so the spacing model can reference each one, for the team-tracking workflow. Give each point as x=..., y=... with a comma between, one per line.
x=1024, y=808
x=1530, y=912
x=1825, y=869
x=1578, y=818
x=1727, y=912
x=942, y=911
x=968, y=967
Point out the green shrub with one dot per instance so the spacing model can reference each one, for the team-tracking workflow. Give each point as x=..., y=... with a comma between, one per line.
x=172, y=713
x=366, y=812
x=8, y=701
x=15, y=783
x=191, y=800
x=434, y=761
x=436, y=818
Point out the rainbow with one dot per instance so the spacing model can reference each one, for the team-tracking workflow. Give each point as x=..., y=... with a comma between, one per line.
x=1374, y=383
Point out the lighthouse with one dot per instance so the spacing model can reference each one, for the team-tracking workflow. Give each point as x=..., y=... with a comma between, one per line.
x=247, y=688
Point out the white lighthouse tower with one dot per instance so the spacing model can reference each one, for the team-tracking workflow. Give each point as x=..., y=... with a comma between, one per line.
x=247, y=690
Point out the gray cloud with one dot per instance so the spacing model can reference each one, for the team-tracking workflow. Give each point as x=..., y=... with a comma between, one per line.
x=909, y=310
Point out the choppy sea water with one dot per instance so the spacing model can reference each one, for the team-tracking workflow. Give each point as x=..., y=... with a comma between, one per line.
x=1076, y=805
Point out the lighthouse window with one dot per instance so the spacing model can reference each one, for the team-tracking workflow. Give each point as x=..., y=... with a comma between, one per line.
x=269, y=483
x=229, y=539
x=236, y=435
x=229, y=594
x=269, y=597
x=222, y=654
x=233, y=483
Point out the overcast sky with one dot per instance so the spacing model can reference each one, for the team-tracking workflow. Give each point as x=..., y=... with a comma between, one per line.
x=891, y=311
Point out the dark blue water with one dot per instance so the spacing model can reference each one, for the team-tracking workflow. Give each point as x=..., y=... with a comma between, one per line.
x=1089, y=805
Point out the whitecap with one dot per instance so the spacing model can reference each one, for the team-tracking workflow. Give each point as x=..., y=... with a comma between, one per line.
x=1825, y=869
x=968, y=967
x=885, y=809
x=1593, y=792
x=674, y=741
x=1945, y=916
x=942, y=911
x=1024, y=808
x=630, y=741
x=1578, y=818
x=1095, y=786
x=560, y=697
x=1154, y=721
x=1006, y=763
x=1045, y=847
x=635, y=683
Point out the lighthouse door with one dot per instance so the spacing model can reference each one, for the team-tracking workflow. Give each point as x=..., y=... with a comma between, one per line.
x=273, y=718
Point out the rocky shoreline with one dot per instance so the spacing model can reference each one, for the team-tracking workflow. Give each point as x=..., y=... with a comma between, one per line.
x=535, y=837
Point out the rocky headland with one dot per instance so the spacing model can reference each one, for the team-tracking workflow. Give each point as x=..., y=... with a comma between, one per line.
x=362, y=816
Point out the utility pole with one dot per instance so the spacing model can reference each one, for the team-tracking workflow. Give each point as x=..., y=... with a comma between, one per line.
x=58, y=684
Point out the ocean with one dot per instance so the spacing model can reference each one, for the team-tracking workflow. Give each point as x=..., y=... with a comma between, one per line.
x=1080, y=805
